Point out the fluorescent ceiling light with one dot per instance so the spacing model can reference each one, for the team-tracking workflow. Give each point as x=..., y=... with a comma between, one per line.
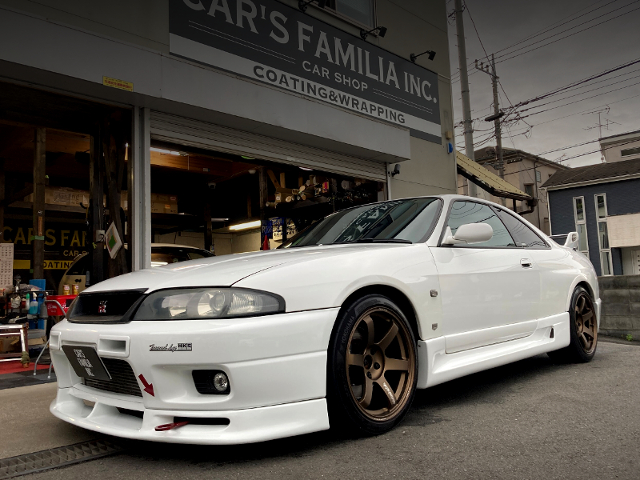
x=168, y=152
x=245, y=226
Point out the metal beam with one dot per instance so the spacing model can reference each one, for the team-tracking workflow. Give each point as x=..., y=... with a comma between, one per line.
x=140, y=187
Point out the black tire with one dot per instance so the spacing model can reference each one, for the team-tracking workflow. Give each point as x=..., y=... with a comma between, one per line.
x=583, y=327
x=372, y=362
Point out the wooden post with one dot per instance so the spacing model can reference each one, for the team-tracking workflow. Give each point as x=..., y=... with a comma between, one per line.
x=39, y=173
x=113, y=145
x=97, y=209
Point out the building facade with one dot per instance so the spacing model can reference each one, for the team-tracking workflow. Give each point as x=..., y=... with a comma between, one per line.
x=212, y=123
x=624, y=146
x=525, y=171
x=602, y=203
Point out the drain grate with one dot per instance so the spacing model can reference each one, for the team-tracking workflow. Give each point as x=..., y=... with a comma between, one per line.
x=55, y=457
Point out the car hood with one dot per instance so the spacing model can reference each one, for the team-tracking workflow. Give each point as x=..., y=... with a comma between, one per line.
x=226, y=270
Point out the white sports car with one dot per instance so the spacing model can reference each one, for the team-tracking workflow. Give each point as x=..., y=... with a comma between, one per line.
x=339, y=327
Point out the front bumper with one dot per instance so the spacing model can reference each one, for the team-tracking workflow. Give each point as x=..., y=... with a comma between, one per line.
x=276, y=367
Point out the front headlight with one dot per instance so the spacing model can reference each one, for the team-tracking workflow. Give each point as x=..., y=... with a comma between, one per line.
x=201, y=303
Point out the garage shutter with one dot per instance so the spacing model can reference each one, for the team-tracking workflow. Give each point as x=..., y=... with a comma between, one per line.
x=208, y=136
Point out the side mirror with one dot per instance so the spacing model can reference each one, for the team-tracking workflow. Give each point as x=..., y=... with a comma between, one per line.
x=572, y=240
x=468, y=234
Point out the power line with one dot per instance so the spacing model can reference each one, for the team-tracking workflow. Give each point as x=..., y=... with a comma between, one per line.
x=576, y=84
x=553, y=26
x=502, y=59
x=578, y=101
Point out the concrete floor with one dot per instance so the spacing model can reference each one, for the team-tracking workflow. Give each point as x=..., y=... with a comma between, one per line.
x=27, y=426
x=531, y=419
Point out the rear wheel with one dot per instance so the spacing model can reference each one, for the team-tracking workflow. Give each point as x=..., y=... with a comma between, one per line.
x=584, y=330
x=372, y=367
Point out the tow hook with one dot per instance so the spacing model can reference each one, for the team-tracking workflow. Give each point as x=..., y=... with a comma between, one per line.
x=170, y=426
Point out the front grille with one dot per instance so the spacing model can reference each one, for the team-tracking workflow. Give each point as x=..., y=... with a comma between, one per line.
x=104, y=307
x=123, y=380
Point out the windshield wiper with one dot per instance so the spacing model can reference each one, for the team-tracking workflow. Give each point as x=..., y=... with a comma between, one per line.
x=376, y=240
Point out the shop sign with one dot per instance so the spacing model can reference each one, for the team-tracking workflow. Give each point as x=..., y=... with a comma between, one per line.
x=63, y=243
x=47, y=265
x=116, y=83
x=273, y=43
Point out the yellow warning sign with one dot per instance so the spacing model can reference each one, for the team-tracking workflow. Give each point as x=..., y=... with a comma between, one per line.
x=116, y=83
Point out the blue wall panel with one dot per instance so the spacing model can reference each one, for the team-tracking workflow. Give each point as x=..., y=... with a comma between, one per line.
x=622, y=198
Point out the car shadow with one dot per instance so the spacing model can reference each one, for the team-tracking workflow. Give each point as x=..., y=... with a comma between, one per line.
x=490, y=386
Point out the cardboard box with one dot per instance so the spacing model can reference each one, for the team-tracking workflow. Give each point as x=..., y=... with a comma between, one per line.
x=161, y=207
x=72, y=197
x=163, y=203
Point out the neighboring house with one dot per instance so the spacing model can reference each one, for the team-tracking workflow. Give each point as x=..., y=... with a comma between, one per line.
x=602, y=203
x=624, y=146
x=525, y=171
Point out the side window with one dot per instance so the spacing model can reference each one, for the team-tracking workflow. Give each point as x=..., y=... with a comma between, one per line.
x=463, y=213
x=195, y=254
x=523, y=235
x=79, y=267
x=165, y=256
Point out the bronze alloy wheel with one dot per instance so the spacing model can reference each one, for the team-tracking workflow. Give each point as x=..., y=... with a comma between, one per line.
x=585, y=323
x=380, y=363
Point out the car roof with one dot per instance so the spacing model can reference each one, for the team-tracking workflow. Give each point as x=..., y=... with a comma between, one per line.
x=173, y=245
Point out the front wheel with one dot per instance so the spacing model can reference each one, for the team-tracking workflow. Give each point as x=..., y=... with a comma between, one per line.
x=372, y=367
x=584, y=330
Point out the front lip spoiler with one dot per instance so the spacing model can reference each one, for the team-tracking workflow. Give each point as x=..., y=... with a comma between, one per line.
x=245, y=426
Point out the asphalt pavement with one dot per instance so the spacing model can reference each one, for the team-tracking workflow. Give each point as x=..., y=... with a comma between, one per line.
x=532, y=419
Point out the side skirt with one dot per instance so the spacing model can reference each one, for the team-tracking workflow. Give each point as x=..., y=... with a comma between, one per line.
x=437, y=366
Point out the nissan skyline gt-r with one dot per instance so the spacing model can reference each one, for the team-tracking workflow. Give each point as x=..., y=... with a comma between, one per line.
x=338, y=327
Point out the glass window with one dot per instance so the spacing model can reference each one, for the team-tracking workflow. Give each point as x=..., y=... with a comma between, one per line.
x=359, y=10
x=630, y=151
x=528, y=189
x=522, y=234
x=605, y=263
x=195, y=254
x=166, y=255
x=538, y=176
x=463, y=213
x=601, y=205
x=604, y=236
x=579, y=205
x=80, y=265
x=402, y=221
x=581, y=228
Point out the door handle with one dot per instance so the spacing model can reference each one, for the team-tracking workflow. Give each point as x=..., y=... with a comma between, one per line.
x=526, y=263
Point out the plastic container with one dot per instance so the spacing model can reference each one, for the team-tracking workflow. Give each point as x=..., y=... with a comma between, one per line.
x=33, y=305
x=64, y=300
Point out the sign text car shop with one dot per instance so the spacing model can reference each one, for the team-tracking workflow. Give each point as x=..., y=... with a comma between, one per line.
x=273, y=43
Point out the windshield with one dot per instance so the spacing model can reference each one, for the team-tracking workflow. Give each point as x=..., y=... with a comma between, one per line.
x=396, y=221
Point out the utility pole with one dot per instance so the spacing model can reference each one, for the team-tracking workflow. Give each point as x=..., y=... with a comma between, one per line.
x=497, y=114
x=464, y=86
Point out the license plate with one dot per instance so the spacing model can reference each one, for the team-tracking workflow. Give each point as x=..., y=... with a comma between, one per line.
x=86, y=362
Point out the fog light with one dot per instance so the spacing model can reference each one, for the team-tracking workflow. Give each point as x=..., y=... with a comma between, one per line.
x=220, y=382
x=211, y=382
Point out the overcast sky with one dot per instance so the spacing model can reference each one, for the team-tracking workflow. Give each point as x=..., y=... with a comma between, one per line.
x=503, y=23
